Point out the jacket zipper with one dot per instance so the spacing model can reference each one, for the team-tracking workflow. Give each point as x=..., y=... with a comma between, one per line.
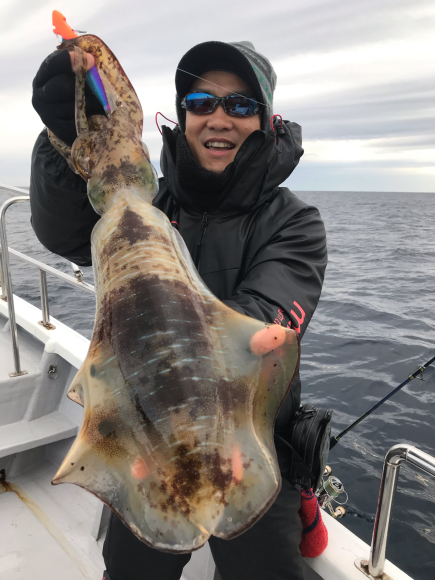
x=200, y=238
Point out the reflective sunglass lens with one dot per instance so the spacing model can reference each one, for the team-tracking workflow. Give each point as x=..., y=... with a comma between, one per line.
x=239, y=106
x=200, y=103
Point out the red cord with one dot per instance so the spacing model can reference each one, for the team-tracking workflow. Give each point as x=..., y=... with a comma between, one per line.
x=271, y=121
x=159, y=113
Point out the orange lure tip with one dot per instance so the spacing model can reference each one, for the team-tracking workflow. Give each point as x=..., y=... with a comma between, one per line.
x=61, y=27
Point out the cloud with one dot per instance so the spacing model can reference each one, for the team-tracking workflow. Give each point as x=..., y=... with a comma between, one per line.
x=319, y=27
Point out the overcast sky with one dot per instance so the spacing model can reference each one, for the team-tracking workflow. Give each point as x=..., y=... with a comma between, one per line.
x=358, y=76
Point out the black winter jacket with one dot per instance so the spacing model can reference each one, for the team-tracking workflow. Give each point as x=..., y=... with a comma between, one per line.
x=262, y=251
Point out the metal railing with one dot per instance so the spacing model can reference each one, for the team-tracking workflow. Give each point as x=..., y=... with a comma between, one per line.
x=44, y=269
x=398, y=454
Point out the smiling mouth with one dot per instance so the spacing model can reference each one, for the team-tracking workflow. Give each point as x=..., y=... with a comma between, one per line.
x=219, y=145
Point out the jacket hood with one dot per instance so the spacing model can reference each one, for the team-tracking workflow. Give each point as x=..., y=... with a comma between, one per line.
x=260, y=166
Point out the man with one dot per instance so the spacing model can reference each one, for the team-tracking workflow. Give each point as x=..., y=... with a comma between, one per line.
x=258, y=248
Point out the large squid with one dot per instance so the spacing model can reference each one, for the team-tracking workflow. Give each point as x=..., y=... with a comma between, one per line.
x=180, y=392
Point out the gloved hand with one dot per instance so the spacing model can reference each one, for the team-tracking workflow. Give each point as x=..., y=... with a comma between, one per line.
x=54, y=96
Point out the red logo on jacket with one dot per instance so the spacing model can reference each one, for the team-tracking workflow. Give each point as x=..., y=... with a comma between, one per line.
x=300, y=317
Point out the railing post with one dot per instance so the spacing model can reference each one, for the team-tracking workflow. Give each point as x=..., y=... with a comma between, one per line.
x=390, y=474
x=2, y=279
x=44, y=301
x=374, y=567
x=8, y=283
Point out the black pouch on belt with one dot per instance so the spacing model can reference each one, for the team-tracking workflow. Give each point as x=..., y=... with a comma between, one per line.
x=307, y=442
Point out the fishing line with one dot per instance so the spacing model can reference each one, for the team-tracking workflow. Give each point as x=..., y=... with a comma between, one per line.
x=225, y=89
x=382, y=427
x=419, y=371
x=351, y=509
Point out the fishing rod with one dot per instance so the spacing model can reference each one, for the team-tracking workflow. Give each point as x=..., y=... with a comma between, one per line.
x=419, y=371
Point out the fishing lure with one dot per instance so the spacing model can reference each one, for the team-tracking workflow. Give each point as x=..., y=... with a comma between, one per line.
x=64, y=31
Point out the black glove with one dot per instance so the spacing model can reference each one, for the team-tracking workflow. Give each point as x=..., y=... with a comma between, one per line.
x=54, y=96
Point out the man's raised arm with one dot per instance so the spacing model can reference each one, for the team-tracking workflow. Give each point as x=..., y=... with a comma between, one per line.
x=62, y=216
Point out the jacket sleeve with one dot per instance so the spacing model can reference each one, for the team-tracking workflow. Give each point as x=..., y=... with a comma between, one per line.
x=62, y=216
x=283, y=281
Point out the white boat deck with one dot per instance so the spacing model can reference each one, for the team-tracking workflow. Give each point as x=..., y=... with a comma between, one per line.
x=25, y=531
x=46, y=529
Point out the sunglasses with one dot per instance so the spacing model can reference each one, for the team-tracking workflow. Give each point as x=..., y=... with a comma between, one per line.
x=234, y=105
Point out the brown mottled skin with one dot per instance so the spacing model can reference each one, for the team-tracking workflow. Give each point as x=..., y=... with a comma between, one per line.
x=177, y=436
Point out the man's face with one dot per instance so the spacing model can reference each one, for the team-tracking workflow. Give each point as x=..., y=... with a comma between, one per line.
x=205, y=132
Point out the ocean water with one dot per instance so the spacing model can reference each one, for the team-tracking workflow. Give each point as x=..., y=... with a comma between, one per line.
x=374, y=326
